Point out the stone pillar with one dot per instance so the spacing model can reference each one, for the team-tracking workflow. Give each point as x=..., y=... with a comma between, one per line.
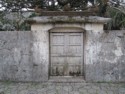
x=40, y=51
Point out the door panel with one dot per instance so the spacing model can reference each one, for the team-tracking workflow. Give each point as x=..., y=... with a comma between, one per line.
x=59, y=50
x=74, y=50
x=74, y=39
x=66, y=54
x=57, y=39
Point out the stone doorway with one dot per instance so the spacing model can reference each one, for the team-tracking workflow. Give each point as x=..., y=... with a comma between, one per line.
x=66, y=54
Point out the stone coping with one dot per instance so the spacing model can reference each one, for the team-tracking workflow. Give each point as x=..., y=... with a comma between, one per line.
x=66, y=13
x=68, y=19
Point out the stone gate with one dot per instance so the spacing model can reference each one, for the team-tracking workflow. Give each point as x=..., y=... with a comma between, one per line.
x=63, y=49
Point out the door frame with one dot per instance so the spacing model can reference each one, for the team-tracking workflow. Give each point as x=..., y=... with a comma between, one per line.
x=67, y=30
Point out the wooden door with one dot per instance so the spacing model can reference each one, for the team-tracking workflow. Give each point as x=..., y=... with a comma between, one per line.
x=66, y=54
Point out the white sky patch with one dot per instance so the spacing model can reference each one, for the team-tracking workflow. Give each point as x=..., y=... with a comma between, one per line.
x=56, y=3
x=27, y=9
x=89, y=4
x=24, y=9
x=50, y=3
x=3, y=8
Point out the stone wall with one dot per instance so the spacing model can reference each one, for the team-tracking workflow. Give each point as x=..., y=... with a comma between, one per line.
x=24, y=56
x=105, y=56
x=15, y=53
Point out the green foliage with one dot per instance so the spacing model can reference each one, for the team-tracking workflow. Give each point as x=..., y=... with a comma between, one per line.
x=81, y=4
x=118, y=18
x=17, y=5
x=13, y=21
x=4, y=22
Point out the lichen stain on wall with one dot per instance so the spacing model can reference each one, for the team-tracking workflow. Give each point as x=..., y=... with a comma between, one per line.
x=118, y=52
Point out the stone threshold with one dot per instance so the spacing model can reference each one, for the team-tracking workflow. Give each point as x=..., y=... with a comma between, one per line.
x=67, y=79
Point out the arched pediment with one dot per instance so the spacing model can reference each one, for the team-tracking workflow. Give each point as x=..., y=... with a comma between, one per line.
x=67, y=29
